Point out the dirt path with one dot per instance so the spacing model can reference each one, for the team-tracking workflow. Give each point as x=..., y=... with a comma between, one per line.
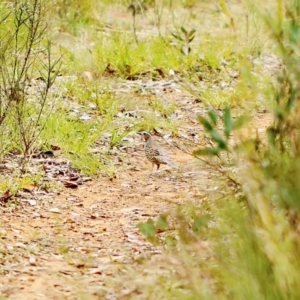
x=69, y=248
x=79, y=244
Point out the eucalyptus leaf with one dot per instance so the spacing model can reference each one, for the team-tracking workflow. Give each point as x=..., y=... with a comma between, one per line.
x=148, y=229
x=239, y=122
x=207, y=151
x=213, y=116
x=162, y=223
x=206, y=124
x=228, y=125
x=219, y=139
x=183, y=30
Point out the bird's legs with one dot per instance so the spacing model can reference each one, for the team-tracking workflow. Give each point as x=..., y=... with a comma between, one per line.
x=153, y=166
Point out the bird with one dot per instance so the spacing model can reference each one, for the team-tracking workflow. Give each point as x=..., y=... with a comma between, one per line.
x=155, y=153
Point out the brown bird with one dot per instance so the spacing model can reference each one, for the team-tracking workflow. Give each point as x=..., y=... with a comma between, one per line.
x=155, y=153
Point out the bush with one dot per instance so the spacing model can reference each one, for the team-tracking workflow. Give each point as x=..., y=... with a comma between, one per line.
x=27, y=73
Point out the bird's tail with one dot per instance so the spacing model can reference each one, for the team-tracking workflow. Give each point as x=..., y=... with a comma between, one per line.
x=170, y=162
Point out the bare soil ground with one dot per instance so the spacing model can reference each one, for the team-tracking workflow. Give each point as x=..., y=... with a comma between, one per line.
x=74, y=247
x=70, y=246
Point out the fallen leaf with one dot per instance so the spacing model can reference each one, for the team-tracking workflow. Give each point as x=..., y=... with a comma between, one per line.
x=20, y=245
x=70, y=184
x=32, y=261
x=55, y=147
x=32, y=202
x=6, y=196
x=55, y=210
x=94, y=216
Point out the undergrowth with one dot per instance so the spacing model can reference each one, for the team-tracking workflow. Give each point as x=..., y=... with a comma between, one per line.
x=253, y=233
x=243, y=245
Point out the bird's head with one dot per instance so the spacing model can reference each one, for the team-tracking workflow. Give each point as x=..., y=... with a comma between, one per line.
x=146, y=135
